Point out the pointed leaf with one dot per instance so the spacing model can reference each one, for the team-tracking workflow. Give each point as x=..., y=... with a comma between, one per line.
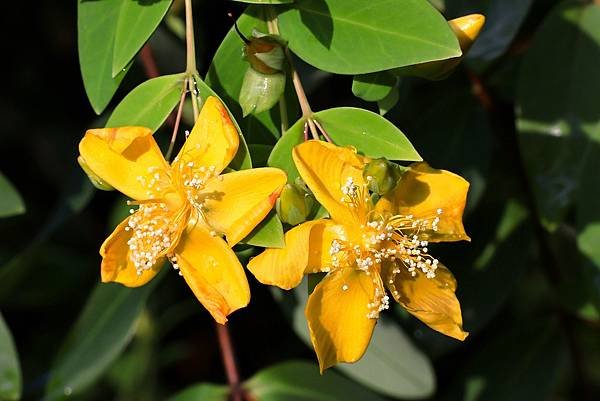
x=149, y=104
x=268, y=234
x=137, y=21
x=96, y=28
x=11, y=203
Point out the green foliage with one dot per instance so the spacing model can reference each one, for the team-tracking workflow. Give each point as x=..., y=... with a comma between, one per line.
x=105, y=326
x=10, y=371
x=202, y=391
x=301, y=381
x=11, y=203
x=332, y=36
x=149, y=104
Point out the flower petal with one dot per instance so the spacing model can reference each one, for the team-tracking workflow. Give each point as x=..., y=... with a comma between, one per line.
x=214, y=140
x=119, y=156
x=213, y=272
x=337, y=316
x=306, y=251
x=431, y=300
x=116, y=264
x=422, y=191
x=237, y=202
x=325, y=168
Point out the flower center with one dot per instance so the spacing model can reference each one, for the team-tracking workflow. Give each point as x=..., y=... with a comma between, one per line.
x=398, y=241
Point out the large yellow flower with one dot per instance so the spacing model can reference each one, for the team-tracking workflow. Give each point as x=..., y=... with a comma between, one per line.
x=366, y=248
x=184, y=208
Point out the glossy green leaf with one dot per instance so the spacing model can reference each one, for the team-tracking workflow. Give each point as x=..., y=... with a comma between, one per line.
x=149, y=104
x=559, y=124
x=137, y=21
x=268, y=234
x=358, y=37
x=226, y=73
x=301, y=381
x=374, y=86
x=370, y=133
x=392, y=365
x=242, y=159
x=11, y=203
x=202, y=392
x=10, y=370
x=96, y=29
x=104, y=328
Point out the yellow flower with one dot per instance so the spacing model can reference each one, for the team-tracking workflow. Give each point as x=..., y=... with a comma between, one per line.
x=184, y=208
x=366, y=248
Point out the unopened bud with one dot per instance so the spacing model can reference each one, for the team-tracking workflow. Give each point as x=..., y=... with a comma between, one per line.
x=381, y=175
x=94, y=179
x=260, y=91
x=265, y=53
x=294, y=204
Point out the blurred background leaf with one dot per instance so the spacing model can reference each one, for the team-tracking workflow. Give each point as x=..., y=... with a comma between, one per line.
x=11, y=203
x=10, y=371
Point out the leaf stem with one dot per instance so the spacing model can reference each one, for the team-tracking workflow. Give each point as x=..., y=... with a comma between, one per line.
x=177, y=119
x=148, y=63
x=307, y=112
x=189, y=39
x=229, y=362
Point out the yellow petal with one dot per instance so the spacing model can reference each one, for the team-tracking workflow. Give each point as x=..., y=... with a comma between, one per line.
x=121, y=156
x=237, y=202
x=326, y=168
x=467, y=29
x=337, y=316
x=213, y=272
x=421, y=192
x=117, y=266
x=214, y=140
x=306, y=251
x=431, y=300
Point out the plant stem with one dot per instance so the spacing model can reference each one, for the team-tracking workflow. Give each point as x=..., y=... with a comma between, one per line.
x=148, y=63
x=229, y=362
x=274, y=29
x=300, y=94
x=189, y=38
x=177, y=119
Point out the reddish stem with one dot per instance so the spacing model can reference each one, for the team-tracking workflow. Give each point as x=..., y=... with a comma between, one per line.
x=229, y=362
x=148, y=62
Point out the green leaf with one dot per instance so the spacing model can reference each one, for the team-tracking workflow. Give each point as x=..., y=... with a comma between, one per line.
x=96, y=29
x=242, y=158
x=202, y=392
x=149, y=104
x=10, y=370
x=370, y=133
x=358, y=37
x=268, y=234
x=374, y=86
x=301, y=381
x=559, y=124
x=104, y=328
x=11, y=203
x=388, y=102
x=392, y=365
x=137, y=21
x=226, y=74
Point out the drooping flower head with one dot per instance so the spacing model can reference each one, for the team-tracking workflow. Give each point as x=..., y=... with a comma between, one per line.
x=184, y=209
x=369, y=245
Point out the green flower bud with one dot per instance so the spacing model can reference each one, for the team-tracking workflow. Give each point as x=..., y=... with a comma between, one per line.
x=381, y=175
x=294, y=204
x=260, y=91
x=265, y=53
x=94, y=179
